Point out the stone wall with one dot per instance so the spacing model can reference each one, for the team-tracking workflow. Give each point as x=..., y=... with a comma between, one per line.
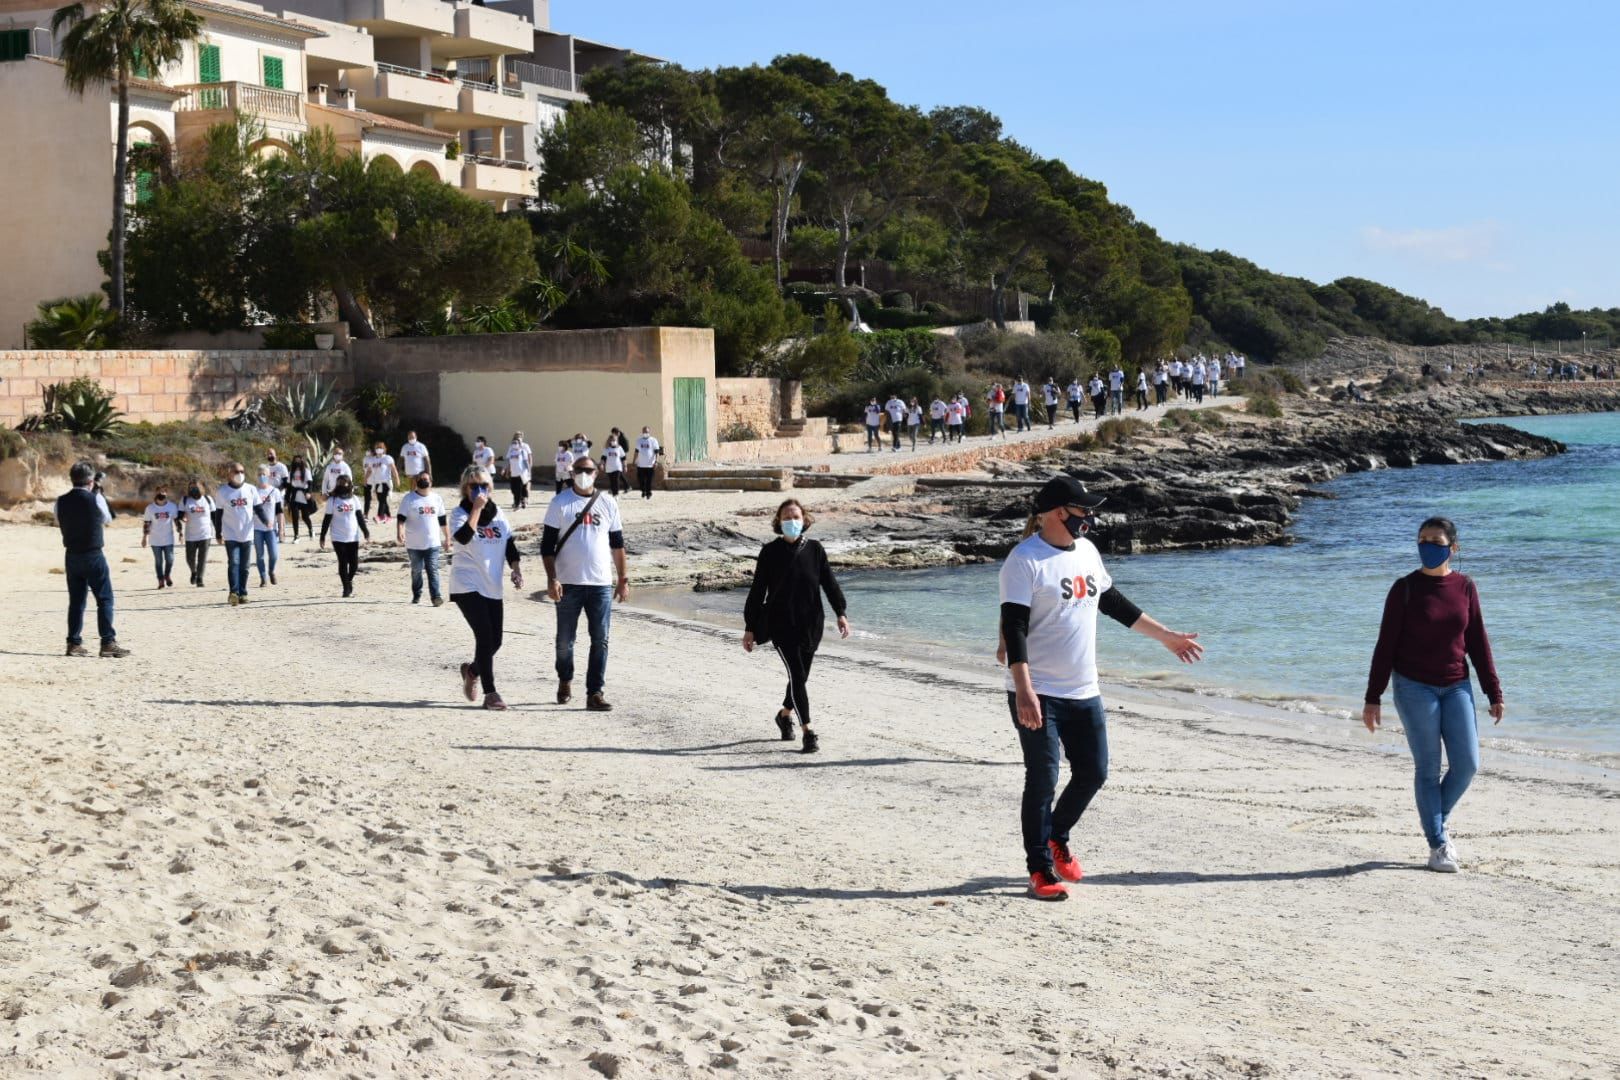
x=158, y=386
x=756, y=403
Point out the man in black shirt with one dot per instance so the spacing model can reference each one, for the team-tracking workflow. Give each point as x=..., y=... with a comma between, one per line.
x=81, y=514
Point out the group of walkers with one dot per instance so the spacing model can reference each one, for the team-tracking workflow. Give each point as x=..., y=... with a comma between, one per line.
x=617, y=454
x=1053, y=584
x=1187, y=380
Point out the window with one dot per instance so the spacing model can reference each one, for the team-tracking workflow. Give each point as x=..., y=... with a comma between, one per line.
x=145, y=185
x=13, y=44
x=208, y=63
x=139, y=66
x=272, y=73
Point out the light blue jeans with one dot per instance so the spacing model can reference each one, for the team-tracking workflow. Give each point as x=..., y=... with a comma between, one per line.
x=266, y=547
x=1435, y=717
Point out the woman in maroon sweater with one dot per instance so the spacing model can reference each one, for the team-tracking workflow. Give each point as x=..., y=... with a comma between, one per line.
x=1432, y=627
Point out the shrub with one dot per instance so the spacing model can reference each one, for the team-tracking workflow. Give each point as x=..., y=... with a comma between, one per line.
x=1264, y=404
x=374, y=403
x=339, y=427
x=1119, y=430
x=899, y=300
x=288, y=336
x=896, y=319
x=1191, y=420
x=886, y=351
x=73, y=322
x=739, y=431
x=11, y=443
x=304, y=403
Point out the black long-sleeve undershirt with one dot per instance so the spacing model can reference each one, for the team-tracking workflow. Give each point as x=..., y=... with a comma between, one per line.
x=1015, y=622
x=360, y=519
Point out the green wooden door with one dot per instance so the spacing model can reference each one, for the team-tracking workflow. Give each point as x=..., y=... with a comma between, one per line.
x=691, y=420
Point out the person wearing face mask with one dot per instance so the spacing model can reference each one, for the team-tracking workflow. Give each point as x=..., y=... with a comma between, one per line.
x=519, y=470
x=278, y=472
x=414, y=457
x=197, y=510
x=613, y=464
x=381, y=476
x=563, y=465
x=301, y=496
x=236, y=507
x=1053, y=584
x=484, y=455
x=267, y=528
x=582, y=546
x=157, y=531
x=647, y=453
x=483, y=540
x=1432, y=628
x=419, y=513
x=347, y=524
x=784, y=610
x=336, y=469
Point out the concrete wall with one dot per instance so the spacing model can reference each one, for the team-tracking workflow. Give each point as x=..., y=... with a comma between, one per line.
x=159, y=386
x=548, y=384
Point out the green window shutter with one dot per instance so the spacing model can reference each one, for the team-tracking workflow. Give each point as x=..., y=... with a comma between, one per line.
x=145, y=185
x=272, y=73
x=208, y=63
x=13, y=45
x=140, y=67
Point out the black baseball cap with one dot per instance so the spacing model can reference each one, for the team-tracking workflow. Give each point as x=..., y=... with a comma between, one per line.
x=1065, y=491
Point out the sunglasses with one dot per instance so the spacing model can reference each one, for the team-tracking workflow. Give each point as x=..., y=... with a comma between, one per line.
x=584, y=472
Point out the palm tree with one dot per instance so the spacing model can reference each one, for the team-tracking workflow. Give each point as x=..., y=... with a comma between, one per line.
x=107, y=44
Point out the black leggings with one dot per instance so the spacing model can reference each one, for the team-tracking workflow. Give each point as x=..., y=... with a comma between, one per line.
x=348, y=556
x=197, y=558
x=302, y=510
x=798, y=661
x=616, y=482
x=520, y=490
x=645, y=476
x=382, y=499
x=485, y=617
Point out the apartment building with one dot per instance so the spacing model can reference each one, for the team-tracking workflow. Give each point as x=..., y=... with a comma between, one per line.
x=453, y=89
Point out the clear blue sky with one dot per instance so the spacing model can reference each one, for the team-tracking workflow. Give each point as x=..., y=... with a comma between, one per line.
x=1462, y=152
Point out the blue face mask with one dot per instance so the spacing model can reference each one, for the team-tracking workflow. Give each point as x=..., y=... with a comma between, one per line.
x=793, y=528
x=1433, y=556
x=477, y=490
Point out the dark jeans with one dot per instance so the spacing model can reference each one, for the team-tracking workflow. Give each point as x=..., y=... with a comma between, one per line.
x=348, y=559
x=426, y=560
x=644, y=476
x=797, y=660
x=196, y=559
x=597, y=603
x=616, y=481
x=936, y=427
x=1022, y=413
x=1160, y=390
x=1051, y=414
x=1099, y=405
x=998, y=422
x=485, y=616
x=873, y=438
x=1116, y=400
x=87, y=574
x=382, y=498
x=1141, y=398
x=520, y=490
x=238, y=553
x=894, y=431
x=1075, y=729
x=912, y=429
x=562, y=482
x=956, y=432
x=163, y=561
x=1074, y=408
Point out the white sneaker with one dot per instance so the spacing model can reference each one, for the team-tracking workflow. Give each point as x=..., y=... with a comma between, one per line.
x=1451, y=850
x=1442, y=861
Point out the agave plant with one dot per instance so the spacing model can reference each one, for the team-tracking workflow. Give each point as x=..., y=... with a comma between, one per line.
x=73, y=322
x=306, y=403
x=319, y=455
x=504, y=317
x=81, y=407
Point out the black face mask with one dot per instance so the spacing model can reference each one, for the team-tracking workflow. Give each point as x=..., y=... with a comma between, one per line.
x=1077, y=526
x=195, y=493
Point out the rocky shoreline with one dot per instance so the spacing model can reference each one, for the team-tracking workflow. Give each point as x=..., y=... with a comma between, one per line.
x=1231, y=479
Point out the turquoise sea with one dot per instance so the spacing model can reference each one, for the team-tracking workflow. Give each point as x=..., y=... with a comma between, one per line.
x=1295, y=625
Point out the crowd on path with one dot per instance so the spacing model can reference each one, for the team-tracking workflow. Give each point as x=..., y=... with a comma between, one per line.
x=1052, y=586
x=1107, y=392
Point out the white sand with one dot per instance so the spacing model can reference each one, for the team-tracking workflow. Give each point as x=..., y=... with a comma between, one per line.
x=277, y=839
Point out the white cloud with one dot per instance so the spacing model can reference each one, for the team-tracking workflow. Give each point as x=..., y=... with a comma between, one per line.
x=1459, y=243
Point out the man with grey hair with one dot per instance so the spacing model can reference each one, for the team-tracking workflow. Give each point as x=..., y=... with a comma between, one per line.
x=81, y=514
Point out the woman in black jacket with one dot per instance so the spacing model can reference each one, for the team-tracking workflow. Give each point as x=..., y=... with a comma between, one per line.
x=784, y=609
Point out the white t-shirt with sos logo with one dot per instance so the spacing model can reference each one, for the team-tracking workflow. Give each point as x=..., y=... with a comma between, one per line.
x=344, y=510
x=162, y=518
x=236, y=523
x=476, y=566
x=1061, y=588
x=421, y=514
x=586, y=559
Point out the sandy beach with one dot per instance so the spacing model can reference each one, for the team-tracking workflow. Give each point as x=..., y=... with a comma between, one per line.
x=276, y=840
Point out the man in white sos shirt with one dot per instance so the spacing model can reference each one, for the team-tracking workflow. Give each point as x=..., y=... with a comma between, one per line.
x=582, y=545
x=519, y=469
x=422, y=528
x=413, y=457
x=335, y=469
x=237, y=503
x=1052, y=586
x=647, y=453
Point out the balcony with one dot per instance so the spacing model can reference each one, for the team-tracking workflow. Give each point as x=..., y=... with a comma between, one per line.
x=482, y=31
x=344, y=48
x=564, y=83
x=484, y=105
x=401, y=18
x=402, y=91
x=281, y=112
x=496, y=179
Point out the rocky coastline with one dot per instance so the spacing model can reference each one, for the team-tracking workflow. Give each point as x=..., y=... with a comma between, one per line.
x=1230, y=479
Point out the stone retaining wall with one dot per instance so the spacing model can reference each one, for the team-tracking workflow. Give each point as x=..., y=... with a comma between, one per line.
x=161, y=385
x=965, y=460
x=761, y=404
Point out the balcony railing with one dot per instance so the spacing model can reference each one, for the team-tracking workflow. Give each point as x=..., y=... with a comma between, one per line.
x=504, y=163
x=263, y=102
x=541, y=75
x=486, y=84
x=415, y=73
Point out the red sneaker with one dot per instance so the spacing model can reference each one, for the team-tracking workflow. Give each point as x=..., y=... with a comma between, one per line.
x=1043, y=886
x=1064, y=862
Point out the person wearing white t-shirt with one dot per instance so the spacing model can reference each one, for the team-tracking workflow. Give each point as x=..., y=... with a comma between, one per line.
x=519, y=470
x=874, y=424
x=647, y=453
x=1050, y=398
x=562, y=465
x=582, y=545
x=914, y=415
x=1178, y=374
x=1161, y=383
x=300, y=506
x=936, y=419
x=422, y=528
x=895, y=409
x=1020, y=399
x=381, y=477
x=414, y=457
x=157, y=532
x=1116, y=390
x=1077, y=394
x=1141, y=389
x=482, y=542
x=336, y=469
x=613, y=466
x=347, y=524
x=236, y=506
x=1053, y=584
x=1200, y=372
x=267, y=528
x=955, y=418
x=279, y=473
x=484, y=455
x=197, y=511
x=1099, y=395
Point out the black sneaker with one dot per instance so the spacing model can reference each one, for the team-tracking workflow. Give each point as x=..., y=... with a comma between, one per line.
x=811, y=743
x=784, y=724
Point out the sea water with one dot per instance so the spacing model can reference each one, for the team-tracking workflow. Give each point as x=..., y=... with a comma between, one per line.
x=1295, y=625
